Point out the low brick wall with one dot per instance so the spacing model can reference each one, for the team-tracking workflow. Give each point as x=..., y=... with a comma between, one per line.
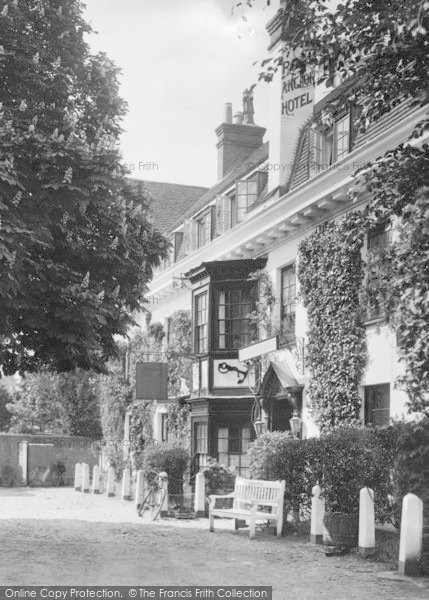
x=41, y=451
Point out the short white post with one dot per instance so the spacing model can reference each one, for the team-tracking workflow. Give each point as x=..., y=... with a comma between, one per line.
x=411, y=541
x=126, y=484
x=200, y=495
x=366, y=522
x=317, y=513
x=164, y=481
x=85, y=478
x=78, y=477
x=139, y=489
x=110, y=482
x=96, y=480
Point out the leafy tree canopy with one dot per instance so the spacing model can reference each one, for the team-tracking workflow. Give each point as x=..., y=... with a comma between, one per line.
x=384, y=45
x=76, y=248
x=63, y=403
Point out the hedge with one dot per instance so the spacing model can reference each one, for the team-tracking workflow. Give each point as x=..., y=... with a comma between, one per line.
x=391, y=460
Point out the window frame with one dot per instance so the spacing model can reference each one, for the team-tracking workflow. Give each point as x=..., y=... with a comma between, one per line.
x=370, y=392
x=204, y=229
x=326, y=155
x=374, y=309
x=201, y=327
x=289, y=335
x=230, y=319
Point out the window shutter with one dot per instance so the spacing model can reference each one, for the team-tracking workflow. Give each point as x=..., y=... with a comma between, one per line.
x=223, y=214
x=241, y=200
x=178, y=245
x=190, y=236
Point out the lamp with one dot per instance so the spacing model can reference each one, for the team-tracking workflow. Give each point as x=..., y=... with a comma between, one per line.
x=295, y=424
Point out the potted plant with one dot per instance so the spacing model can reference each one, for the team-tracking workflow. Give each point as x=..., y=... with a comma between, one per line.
x=343, y=477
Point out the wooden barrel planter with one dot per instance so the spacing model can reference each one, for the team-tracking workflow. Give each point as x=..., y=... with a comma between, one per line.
x=341, y=529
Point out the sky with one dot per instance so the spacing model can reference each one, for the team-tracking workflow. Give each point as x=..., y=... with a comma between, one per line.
x=181, y=61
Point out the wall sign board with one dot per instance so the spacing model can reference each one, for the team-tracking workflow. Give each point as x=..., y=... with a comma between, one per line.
x=151, y=381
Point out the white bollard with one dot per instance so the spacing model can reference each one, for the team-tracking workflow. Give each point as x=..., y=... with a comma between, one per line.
x=366, y=522
x=139, y=489
x=317, y=514
x=78, y=477
x=96, y=480
x=411, y=541
x=126, y=484
x=164, y=479
x=200, y=495
x=110, y=482
x=85, y=478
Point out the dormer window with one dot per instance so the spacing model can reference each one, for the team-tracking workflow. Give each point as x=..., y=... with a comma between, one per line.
x=332, y=143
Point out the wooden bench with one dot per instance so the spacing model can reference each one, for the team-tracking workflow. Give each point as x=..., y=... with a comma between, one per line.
x=253, y=500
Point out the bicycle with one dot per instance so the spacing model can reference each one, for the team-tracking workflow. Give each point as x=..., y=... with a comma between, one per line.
x=155, y=497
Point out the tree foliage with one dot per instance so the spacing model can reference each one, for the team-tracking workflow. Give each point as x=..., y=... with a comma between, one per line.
x=63, y=403
x=383, y=45
x=5, y=415
x=76, y=249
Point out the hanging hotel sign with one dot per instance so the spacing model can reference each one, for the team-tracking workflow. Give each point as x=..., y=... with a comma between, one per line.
x=152, y=381
x=258, y=349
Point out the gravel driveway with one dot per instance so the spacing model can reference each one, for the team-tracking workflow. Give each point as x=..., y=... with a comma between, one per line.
x=61, y=537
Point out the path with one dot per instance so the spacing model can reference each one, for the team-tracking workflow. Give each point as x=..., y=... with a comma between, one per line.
x=61, y=537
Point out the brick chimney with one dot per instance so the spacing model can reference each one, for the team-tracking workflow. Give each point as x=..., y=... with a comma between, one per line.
x=237, y=140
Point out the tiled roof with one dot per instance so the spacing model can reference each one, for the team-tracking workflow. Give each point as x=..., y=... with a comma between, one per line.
x=169, y=201
x=255, y=159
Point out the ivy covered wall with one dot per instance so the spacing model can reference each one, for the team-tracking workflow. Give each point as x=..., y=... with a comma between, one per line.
x=330, y=274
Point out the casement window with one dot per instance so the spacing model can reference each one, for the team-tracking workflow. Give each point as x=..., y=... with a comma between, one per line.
x=201, y=323
x=200, y=444
x=204, y=229
x=232, y=440
x=232, y=446
x=331, y=145
x=288, y=303
x=377, y=404
x=234, y=328
x=377, y=243
x=248, y=192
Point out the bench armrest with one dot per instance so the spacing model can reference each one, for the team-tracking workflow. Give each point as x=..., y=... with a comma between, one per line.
x=214, y=497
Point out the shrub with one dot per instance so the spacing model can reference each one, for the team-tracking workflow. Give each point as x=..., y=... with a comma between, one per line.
x=411, y=467
x=218, y=479
x=354, y=458
x=171, y=458
x=342, y=462
x=277, y=455
x=11, y=476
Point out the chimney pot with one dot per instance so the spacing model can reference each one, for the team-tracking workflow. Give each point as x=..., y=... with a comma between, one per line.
x=238, y=118
x=228, y=113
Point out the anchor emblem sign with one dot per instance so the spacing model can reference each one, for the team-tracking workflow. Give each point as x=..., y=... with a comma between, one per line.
x=224, y=367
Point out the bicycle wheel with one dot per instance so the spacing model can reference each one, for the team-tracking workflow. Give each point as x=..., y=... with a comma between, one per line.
x=146, y=504
x=157, y=504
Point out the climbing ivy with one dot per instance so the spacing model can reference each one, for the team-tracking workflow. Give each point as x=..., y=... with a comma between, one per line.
x=330, y=273
x=399, y=185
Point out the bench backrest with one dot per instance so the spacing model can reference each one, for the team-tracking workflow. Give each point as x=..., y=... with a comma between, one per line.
x=266, y=493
